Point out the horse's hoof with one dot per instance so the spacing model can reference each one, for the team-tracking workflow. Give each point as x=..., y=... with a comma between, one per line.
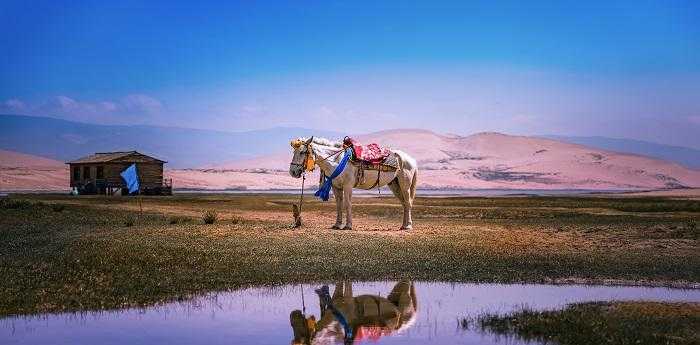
x=336, y=227
x=347, y=228
x=406, y=228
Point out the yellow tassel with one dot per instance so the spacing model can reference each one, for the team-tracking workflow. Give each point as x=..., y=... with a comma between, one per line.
x=310, y=163
x=311, y=324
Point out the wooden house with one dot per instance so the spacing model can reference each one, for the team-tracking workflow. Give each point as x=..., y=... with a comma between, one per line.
x=100, y=173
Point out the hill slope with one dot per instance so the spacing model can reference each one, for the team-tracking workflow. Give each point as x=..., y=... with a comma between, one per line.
x=493, y=160
x=686, y=156
x=26, y=172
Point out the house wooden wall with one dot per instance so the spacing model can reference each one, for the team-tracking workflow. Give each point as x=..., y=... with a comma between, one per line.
x=150, y=173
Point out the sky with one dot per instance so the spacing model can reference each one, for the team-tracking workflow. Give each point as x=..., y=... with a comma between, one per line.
x=628, y=69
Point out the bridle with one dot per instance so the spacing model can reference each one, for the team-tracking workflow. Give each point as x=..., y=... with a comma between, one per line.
x=309, y=162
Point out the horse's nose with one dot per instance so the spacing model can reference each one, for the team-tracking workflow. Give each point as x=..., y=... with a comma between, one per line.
x=294, y=170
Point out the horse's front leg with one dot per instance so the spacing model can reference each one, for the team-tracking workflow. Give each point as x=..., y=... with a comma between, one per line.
x=347, y=200
x=338, y=196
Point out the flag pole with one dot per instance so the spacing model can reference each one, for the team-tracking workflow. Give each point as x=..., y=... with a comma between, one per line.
x=140, y=205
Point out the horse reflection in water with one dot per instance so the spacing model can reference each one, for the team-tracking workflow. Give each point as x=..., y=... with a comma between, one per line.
x=366, y=316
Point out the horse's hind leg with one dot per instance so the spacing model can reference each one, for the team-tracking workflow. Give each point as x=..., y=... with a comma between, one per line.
x=403, y=193
x=394, y=186
x=405, y=187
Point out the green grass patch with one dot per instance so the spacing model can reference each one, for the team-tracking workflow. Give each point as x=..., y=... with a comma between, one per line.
x=17, y=204
x=601, y=323
x=179, y=220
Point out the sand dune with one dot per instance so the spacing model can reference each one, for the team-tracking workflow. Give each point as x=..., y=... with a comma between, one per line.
x=494, y=160
x=20, y=171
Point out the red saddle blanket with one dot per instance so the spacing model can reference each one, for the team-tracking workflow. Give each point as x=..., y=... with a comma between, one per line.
x=372, y=153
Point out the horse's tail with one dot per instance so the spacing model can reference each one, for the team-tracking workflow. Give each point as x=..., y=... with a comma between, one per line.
x=406, y=161
x=394, y=184
x=414, y=182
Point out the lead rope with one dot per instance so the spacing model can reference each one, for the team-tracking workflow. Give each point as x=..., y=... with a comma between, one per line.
x=303, y=304
x=301, y=198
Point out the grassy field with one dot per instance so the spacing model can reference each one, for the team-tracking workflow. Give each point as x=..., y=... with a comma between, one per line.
x=603, y=323
x=61, y=253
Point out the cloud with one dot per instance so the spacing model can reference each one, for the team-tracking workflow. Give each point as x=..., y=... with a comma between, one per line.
x=12, y=106
x=69, y=107
x=694, y=119
x=133, y=108
x=108, y=106
x=142, y=103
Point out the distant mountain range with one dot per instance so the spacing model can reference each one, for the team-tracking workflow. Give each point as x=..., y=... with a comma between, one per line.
x=446, y=162
x=683, y=155
x=195, y=148
x=182, y=147
x=480, y=161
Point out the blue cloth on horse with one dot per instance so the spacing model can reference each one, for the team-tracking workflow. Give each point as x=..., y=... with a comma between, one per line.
x=325, y=189
x=343, y=322
x=131, y=177
x=325, y=297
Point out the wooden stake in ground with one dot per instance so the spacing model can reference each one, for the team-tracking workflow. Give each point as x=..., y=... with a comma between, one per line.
x=297, y=216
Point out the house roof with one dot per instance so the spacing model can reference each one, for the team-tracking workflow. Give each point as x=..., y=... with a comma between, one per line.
x=105, y=157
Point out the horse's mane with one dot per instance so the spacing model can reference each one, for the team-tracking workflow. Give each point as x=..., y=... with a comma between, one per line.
x=324, y=142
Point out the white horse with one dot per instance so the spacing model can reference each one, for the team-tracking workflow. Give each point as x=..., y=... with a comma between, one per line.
x=392, y=313
x=319, y=151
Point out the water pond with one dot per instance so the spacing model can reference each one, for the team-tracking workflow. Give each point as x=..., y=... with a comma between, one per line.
x=376, y=312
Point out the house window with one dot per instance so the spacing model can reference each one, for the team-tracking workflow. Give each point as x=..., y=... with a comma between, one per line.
x=86, y=173
x=76, y=174
x=100, y=174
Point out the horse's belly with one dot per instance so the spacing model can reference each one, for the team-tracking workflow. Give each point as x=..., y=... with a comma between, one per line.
x=368, y=179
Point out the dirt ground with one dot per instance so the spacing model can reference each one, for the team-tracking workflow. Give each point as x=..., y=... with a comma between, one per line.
x=94, y=252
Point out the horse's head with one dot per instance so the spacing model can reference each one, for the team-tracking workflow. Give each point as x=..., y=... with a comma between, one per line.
x=303, y=158
x=304, y=328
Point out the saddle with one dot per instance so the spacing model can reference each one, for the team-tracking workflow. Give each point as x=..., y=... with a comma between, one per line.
x=371, y=156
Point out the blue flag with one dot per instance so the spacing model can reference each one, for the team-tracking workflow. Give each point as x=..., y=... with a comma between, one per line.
x=131, y=178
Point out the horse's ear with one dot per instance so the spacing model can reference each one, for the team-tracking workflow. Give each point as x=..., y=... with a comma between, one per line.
x=310, y=140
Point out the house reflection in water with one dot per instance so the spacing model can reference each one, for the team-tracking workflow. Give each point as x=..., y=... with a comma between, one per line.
x=368, y=316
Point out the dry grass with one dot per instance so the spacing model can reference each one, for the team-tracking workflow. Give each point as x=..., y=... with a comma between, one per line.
x=84, y=258
x=210, y=217
x=58, y=207
x=178, y=220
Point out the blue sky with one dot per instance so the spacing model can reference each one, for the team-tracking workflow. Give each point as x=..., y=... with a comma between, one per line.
x=622, y=69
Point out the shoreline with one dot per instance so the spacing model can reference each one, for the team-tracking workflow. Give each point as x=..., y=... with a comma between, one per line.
x=486, y=192
x=568, y=282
